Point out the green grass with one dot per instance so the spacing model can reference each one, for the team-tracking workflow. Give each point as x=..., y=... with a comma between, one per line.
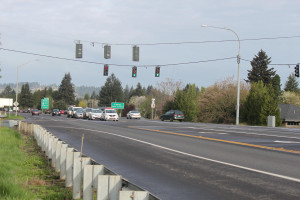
x=25, y=173
x=13, y=116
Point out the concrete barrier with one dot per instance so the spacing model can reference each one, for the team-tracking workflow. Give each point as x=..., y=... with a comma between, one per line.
x=77, y=170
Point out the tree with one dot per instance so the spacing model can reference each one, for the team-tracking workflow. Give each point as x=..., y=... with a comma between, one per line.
x=26, y=98
x=217, y=103
x=260, y=71
x=291, y=85
x=290, y=98
x=186, y=101
x=8, y=92
x=94, y=96
x=126, y=94
x=260, y=103
x=139, y=91
x=82, y=104
x=66, y=90
x=111, y=91
x=86, y=96
x=275, y=81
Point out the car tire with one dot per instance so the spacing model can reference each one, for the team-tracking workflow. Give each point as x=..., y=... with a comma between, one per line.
x=180, y=120
x=162, y=119
x=171, y=119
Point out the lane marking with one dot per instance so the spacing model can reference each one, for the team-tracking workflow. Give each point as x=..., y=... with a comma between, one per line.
x=191, y=155
x=220, y=140
x=287, y=142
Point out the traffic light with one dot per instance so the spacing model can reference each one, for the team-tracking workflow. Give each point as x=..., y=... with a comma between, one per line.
x=107, y=51
x=105, y=70
x=135, y=53
x=297, y=71
x=78, y=51
x=134, y=71
x=157, y=71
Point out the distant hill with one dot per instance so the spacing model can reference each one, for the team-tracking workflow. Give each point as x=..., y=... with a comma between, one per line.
x=80, y=91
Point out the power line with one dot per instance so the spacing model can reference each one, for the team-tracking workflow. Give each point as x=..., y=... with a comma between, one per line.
x=190, y=42
x=92, y=62
x=270, y=64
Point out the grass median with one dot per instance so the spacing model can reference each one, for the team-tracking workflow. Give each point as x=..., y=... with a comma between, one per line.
x=25, y=172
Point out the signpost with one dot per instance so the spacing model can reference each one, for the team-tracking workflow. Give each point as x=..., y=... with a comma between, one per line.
x=45, y=103
x=153, y=106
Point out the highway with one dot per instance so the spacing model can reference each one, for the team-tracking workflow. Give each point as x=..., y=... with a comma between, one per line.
x=198, y=161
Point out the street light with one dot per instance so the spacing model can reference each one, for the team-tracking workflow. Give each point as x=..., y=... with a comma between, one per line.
x=16, y=102
x=238, y=79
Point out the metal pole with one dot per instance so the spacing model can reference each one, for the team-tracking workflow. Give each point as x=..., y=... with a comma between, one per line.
x=238, y=79
x=17, y=91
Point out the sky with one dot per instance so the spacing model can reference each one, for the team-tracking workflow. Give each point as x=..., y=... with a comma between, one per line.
x=52, y=28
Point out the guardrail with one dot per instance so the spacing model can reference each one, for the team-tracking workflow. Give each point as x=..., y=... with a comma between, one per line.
x=86, y=177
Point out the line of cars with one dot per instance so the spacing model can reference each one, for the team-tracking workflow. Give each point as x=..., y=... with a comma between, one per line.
x=92, y=113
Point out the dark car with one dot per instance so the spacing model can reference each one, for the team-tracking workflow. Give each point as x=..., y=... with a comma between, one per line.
x=55, y=112
x=172, y=115
x=47, y=111
x=35, y=112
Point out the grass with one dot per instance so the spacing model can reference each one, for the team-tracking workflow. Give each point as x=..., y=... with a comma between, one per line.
x=13, y=116
x=25, y=173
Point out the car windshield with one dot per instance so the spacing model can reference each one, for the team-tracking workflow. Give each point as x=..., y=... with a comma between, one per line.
x=135, y=112
x=55, y=110
x=88, y=110
x=110, y=111
x=178, y=112
x=97, y=111
x=80, y=110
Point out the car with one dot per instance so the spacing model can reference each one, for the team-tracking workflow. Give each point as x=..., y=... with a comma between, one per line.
x=95, y=114
x=69, y=113
x=47, y=111
x=172, y=115
x=74, y=110
x=62, y=112
x=79, y=113
x=133, y=114
x=35, y=112
x=110, y=114
x=55, y=112
x=86, y=113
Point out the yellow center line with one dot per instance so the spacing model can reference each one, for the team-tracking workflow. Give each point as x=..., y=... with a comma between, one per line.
x=220, y=140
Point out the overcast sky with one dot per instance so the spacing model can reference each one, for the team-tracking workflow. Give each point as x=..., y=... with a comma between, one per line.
x=51, y=27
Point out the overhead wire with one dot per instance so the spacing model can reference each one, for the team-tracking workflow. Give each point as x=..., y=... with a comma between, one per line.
x=112, y=64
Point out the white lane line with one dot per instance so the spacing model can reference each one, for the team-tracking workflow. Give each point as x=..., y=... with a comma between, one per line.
x=213, y=133
x=286, y=142
x=194, y=156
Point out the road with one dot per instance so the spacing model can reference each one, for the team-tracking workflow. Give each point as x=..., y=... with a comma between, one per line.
x=176, y=160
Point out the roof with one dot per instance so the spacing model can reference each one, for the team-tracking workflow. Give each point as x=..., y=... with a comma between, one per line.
x=289, y=112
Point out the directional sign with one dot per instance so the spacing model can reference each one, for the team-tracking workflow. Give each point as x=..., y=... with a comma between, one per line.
x=117, y=105
x=45, y=103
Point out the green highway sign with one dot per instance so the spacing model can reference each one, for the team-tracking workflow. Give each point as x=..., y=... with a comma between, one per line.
x=45, y=103
x=117, y=105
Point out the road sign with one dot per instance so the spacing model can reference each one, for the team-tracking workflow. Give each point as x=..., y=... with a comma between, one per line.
x=117, y=105
x=45, y=103
x=153, y=105
x=16, y=104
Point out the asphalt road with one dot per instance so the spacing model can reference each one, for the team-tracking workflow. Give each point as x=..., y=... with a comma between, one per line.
x=176, y=160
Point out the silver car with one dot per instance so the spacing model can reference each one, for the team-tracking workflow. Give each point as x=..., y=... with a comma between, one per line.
x=86, y=113
x=95, y=114
x=134, y=114
x=79, y=113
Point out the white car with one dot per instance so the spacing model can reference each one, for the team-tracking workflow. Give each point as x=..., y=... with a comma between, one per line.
x=95, y=114
x=134, y=114
x=86, y=113
x=79, y=113
x=110, y=114
x=74, y=109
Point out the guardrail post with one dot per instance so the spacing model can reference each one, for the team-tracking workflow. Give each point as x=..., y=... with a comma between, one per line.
x=90, y=179
x=63, y=158
x=109, y=187
x=54, y=143
x=51, y=139
x=134, y=195
x=69, y=167
x=79, y=163
x=58, y=154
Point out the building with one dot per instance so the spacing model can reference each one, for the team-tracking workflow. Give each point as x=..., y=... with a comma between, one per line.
x=290, y=114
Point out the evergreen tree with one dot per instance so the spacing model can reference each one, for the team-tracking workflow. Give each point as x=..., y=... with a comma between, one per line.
x=276, y=85
x=186, y=101
x=291, y=84
x=260, y=71
x=8, y=92
x=94, y=96
x=111, y=91
x=66, y=90
x=260, y=103
x=26, y=98
x=139, y=91
x=86, y=96
x=149, y=89
x=126, y=94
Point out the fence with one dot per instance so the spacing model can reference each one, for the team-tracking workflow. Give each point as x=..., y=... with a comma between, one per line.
x=86, y=177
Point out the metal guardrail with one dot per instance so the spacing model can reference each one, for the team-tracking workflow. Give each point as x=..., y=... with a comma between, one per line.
x=81, y=172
